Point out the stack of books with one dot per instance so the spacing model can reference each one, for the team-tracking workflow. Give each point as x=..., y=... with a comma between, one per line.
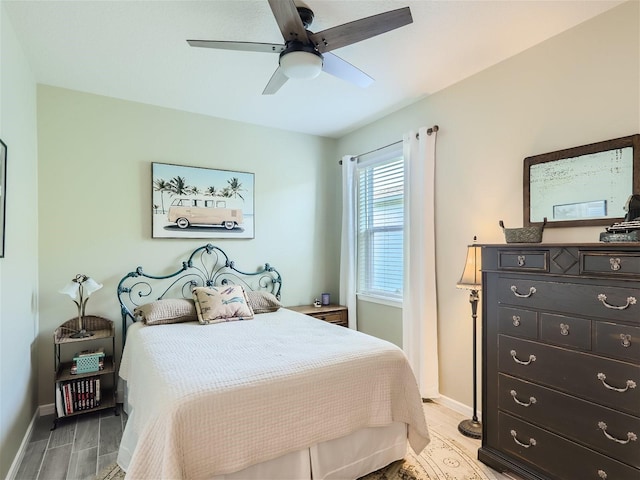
x=77, y=395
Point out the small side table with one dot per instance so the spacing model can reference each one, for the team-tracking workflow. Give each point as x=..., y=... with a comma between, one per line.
x=84, y=392
x=337, y=314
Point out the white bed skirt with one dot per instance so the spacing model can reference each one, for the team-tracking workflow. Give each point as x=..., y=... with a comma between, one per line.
x=350, y=457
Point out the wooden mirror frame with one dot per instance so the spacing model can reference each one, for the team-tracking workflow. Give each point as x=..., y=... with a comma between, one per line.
x=630, y=141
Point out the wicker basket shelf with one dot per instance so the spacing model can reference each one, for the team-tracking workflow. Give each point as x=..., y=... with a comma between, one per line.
x=101, y=328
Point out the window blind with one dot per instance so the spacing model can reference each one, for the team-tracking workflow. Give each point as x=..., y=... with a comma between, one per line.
x=381, y=226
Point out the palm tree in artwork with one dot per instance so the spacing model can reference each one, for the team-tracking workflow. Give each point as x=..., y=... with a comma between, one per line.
x=194, y=190
x=179, y=186
x=211, y=191
x=234, y=188
x=162, y=186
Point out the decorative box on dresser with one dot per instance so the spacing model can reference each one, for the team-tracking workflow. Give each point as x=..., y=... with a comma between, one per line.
x=561, y=360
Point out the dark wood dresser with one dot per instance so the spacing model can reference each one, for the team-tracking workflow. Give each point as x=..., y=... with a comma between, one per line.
x=561, y=360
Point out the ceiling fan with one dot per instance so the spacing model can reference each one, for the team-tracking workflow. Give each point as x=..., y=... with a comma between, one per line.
x=305, y=54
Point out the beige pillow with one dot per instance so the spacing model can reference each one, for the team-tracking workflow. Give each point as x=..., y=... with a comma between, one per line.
x=263, y=302
x=221, y=304
x=168, y=310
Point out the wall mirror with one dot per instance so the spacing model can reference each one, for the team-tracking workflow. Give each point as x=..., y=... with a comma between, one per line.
x=582, y=186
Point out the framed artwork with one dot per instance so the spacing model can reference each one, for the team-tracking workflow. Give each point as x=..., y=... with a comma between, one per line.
x=3, y=193
x=196, y=202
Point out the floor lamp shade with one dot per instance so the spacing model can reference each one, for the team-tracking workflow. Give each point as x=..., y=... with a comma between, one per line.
x=472, y=275
x=472, y=280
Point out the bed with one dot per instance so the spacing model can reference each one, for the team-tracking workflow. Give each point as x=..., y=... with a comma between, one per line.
x=278, y=395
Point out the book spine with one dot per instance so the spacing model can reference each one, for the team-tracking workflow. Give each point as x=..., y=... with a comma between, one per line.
x=60, y=410
x=67, y=398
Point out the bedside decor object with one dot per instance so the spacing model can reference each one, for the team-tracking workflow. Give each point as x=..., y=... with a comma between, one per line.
x=325, y=299
x=472, y=280
x=531, y=234
x=80, y=289
x=629, y=229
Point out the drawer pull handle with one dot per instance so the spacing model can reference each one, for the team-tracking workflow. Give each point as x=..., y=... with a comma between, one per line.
x=603, y=298
x=532, y=358
x=532, y=290
x=630, y=384
x=615, y=264
x=564, y=329
x=626, y=340
x=522, y=260
x=532, y=400
x=516, y=320
x=631, y=437
x=532, y=441
x=602, y=474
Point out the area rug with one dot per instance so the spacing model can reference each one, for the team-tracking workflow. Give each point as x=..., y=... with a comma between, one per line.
x=442, y=459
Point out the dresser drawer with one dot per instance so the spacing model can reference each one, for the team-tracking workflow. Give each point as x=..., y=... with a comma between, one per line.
x=524, y=261
x=333, y=317
x=606, y=430
x=564, y=330
x=612, y=383
x=518, y=322
x=611, y=303
x=556, y=456
x=620, y=341
x=610, y=263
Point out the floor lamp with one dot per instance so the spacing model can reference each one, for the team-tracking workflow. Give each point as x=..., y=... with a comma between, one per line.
x=472, y=280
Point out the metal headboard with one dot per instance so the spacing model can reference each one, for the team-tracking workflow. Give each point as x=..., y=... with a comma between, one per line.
x=206, y=266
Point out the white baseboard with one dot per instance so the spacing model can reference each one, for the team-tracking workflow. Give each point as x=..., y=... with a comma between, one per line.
x=456, y=406
x=48, y=409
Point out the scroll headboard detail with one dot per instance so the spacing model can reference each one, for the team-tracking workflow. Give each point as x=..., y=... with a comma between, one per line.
x=206, y=266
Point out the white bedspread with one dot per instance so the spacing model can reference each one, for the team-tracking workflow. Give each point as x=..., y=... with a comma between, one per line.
x=213, y=399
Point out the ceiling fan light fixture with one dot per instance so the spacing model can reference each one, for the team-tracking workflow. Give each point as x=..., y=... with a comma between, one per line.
x=301, y=65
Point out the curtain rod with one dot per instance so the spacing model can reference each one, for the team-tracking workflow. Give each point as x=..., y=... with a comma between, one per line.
x=435, y=128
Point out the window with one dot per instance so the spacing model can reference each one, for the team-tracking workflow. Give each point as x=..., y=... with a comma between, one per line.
x=380, y=216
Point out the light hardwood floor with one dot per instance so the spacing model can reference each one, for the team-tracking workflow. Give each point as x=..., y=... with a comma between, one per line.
x=82, y=446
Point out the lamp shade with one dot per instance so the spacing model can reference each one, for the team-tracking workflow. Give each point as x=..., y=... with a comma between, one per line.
x=90, y=286
x=472, y=275
x=71, y=289
x=301, y=65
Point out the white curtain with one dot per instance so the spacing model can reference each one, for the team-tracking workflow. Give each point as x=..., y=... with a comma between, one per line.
x=419, y=306
x=348, y=240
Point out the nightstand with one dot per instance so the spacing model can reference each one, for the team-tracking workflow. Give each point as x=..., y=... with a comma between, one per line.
x=329, y=313
x=84, y=382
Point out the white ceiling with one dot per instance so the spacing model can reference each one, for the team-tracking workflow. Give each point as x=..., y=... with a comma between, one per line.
x=136, y=50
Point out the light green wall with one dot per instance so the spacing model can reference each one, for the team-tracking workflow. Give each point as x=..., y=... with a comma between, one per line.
x=18, y=268
x=95, y=157
x=579, y=87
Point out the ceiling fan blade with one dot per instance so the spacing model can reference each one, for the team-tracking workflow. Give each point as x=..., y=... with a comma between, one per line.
x=359, y=30
x=288, y=20
x=278, y=79
x=334, y=65
x=243, y=46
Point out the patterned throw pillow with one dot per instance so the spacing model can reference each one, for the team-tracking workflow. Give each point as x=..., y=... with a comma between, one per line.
x=221, y=304
x=169, y=310
x=263, y=302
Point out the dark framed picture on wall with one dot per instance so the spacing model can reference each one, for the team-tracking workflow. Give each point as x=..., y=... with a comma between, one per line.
x=197, y=202
x=3, y=193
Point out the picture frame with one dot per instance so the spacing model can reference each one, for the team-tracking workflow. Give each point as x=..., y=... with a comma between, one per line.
x=200, y=202
x=3, y=195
